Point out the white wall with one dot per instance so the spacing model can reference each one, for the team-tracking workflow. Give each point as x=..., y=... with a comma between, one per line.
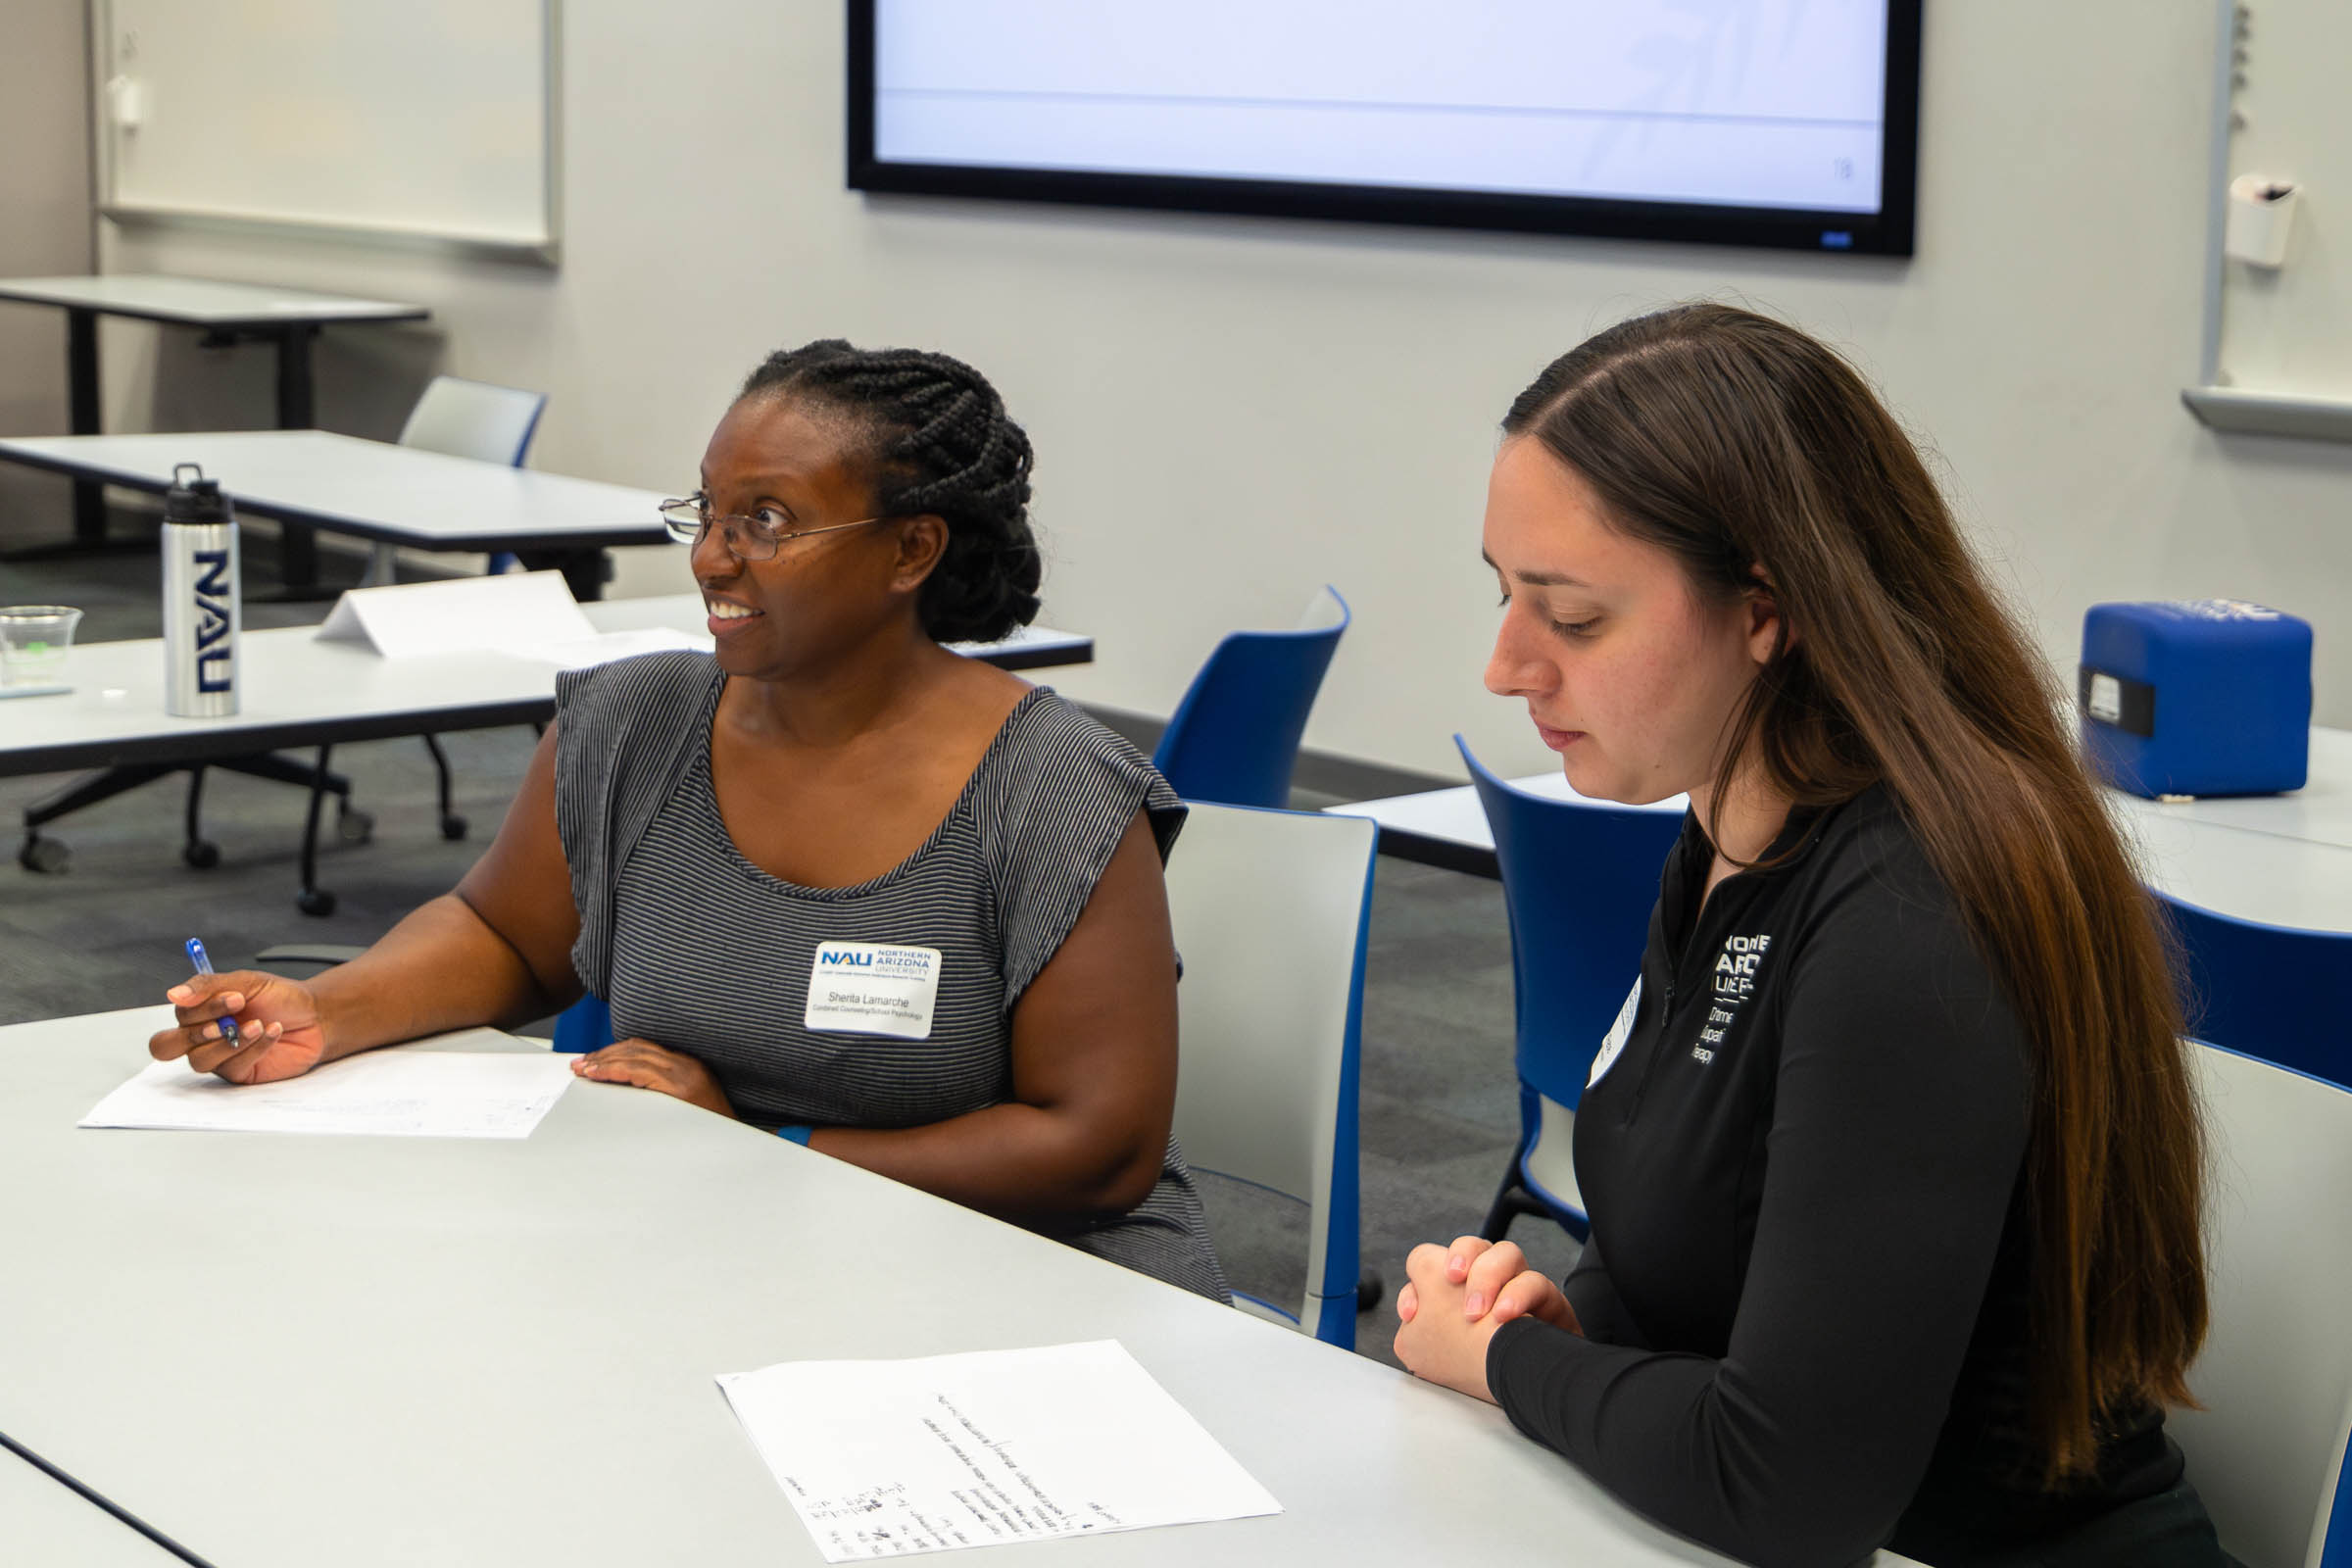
x=2290, y=330
x=1228, y=411
x=44, y=227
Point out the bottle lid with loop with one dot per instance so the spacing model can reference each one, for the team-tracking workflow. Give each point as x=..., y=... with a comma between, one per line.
x=196, y=499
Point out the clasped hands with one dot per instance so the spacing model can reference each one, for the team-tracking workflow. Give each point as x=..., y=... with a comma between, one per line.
x=1455, y=1297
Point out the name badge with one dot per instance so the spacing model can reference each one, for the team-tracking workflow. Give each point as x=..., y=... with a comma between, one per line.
x=870, y=987
x=1619, y=1032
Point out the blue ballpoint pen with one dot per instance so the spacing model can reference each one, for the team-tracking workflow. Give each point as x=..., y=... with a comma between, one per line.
x=226, y=1028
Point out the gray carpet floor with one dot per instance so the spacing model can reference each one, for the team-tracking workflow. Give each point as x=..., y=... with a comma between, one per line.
x=1440, y=1105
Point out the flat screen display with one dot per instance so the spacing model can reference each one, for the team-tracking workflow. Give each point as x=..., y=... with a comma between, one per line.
x=1786, y=123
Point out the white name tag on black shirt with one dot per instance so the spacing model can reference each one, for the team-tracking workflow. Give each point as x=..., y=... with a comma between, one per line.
x=1619, y=1032
x=870, y=987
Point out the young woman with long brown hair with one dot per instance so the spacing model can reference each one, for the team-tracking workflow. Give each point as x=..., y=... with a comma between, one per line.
x=1892, y=1159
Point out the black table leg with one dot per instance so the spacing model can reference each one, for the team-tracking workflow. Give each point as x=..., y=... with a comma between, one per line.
x=298, y=546
x=81, y=394
x=585, y=571
x=90, y=495
x=313, y=898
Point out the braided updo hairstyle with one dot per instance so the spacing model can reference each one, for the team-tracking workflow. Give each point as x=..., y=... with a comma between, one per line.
x=939, y=442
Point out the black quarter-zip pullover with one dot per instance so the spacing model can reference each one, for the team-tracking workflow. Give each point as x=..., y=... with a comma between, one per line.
x=1805, y=1293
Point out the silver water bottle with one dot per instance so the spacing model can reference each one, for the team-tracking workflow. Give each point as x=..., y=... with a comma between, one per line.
x=202, y=611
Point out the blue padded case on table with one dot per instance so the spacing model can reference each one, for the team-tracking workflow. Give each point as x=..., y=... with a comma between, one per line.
x=2196, y=697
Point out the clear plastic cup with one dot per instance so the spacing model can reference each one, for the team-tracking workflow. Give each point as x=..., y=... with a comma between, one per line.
x=33, y=641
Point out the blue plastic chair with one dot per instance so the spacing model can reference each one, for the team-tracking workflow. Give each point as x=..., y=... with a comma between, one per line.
x=461, y=418
x=1272, y=911
x=473, y=419
x=1234, y=739
x=584, y=1026
x=2338, y=1552
x=1579, y=879
x=2270, y=991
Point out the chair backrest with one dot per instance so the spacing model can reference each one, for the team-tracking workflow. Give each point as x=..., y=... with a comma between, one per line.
x=2270, y=991
x=584, y=1026
x=2275, y=1376
x=1235, y=737
x=464, y=418
x=1579, y=878
x=1270, y=911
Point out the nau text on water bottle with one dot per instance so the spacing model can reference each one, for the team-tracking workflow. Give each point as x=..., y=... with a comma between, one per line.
x=213, y=652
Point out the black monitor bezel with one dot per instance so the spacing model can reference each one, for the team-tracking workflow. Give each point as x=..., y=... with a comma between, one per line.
x=1888, y=232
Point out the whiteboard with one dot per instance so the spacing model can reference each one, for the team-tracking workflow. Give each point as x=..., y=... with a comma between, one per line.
x=2279, y=341
x=429, y=119
x=2290, y=330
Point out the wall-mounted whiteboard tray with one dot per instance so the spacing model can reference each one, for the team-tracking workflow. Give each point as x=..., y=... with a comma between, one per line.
x=403, y=120
x=2233, y=409
x=2276, y=355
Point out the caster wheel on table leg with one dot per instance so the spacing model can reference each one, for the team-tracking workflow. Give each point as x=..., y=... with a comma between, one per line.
x=315, y=900
x=202, y=854
x=453, y=829
x=46, y=857
x=354, y=827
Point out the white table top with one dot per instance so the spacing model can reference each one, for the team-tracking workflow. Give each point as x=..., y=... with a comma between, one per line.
x=375, y=489
x=1441, y=814
x=1028, y=648
x=2283, y=859
x=385, y=1350
x=298, y=691
x=2237, y=871
x=44, y=1521
x=1449, y=827
x=202, y=301
x=2320, y=813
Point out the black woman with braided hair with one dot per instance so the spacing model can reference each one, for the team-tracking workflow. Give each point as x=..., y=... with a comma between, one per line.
x=832, y=879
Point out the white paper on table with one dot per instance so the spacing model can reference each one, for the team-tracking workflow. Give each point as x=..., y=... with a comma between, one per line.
x=584, y=653
x=408, y=1094
x=881, y=1459
x=513, y=612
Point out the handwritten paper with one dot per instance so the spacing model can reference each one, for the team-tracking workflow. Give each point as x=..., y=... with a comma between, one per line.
x=513, y=612
x=400, y=1094
x=883, y=1458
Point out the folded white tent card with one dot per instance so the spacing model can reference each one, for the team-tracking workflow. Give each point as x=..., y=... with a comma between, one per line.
x=512, y=613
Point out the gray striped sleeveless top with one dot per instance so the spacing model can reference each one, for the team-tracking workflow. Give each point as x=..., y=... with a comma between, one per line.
x=700, y=951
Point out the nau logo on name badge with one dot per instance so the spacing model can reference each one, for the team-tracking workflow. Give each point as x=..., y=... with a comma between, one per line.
x=872, y=988
x=1619, y=1032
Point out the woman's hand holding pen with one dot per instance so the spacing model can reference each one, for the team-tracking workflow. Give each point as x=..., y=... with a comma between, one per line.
x=245, y=1026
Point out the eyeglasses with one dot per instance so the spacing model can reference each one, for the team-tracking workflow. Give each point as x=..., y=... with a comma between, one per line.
x=757, y=537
